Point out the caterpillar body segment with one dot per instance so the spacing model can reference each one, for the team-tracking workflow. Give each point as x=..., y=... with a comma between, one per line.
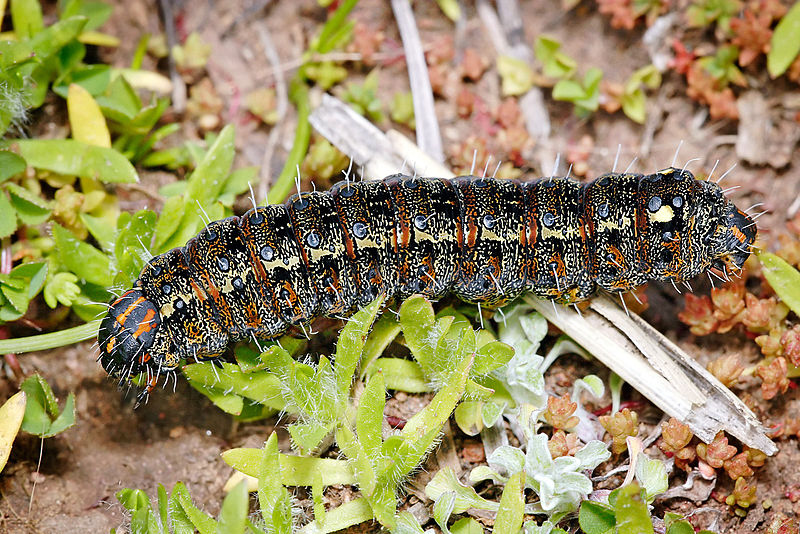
x=485, y=240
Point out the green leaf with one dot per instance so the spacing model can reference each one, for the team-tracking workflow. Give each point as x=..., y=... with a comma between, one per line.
x=168, y=223
x=264, y=388
x=678, y=526
x=199, y=519
x=11, y=413
x=632, y=514
x=274, y=500
x=445, y=481
x=345, y=515
x=350, y=346
x=509, y=514
x=10, y=165
x=54, y=38
x=491, y=356
x=434, y=415
x=516, y=75
x=785, y=43
x=466, y=525
x=8, y=219
x=369, y=418
x=402, y=375
x=97, y=13
x=85, y=118
x=26, y=16
x=783, y=278
x=443, y=509
x=555, y=63
x=233, y=515
x=73, y=158
x=42, y=417
x=100, y=230
x=294, y=470
x=82, y=259
x=596, y=518
x=384, y=331
x=652, y=475
x=408, y=524
x=31, y=209
x=208, y=179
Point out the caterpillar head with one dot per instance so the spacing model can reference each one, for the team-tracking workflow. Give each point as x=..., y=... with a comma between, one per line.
x=126, y=335
x=735, y=235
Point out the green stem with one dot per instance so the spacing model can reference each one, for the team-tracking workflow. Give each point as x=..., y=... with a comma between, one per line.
x=302, y=136
x=50, y=341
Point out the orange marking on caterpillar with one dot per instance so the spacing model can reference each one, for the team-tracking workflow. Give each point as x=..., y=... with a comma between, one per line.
x=124, y=315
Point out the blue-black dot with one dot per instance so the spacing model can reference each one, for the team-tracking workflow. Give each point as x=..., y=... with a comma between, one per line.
x=223, y=263
x=347, y=191
x=313, y=239
x=167, y=289
x=667, y=236
x=257, y=218
x=420, y=222
x=359, y=230
x=237, y=283
x=654, y=204
x=677, y=201
x=179, y=304
x=489, y=221
x=267, y=253
x=603, y=210
x=548, y=219
x=211, y=235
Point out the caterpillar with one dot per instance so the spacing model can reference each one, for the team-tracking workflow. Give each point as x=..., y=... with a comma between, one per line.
x=485, y=240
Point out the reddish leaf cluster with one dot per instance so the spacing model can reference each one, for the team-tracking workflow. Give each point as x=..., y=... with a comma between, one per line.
x=620, y=426
x=625, y=13
x=558, y=413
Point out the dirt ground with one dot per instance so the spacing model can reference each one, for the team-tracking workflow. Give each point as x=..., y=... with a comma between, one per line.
x=178, y=437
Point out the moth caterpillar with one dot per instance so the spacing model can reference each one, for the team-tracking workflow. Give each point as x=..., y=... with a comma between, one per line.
x=485, y=240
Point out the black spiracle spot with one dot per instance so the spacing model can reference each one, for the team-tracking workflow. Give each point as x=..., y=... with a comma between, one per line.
x=420, y=222
x=223, y=264
x=267, y=253
x=548, y=219
x=489, y=221
x=359, y=230
x=655, y=204
x=666, y=255
x=313, y=239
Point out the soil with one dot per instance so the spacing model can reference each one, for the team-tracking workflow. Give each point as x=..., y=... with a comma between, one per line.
x=67, y=483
